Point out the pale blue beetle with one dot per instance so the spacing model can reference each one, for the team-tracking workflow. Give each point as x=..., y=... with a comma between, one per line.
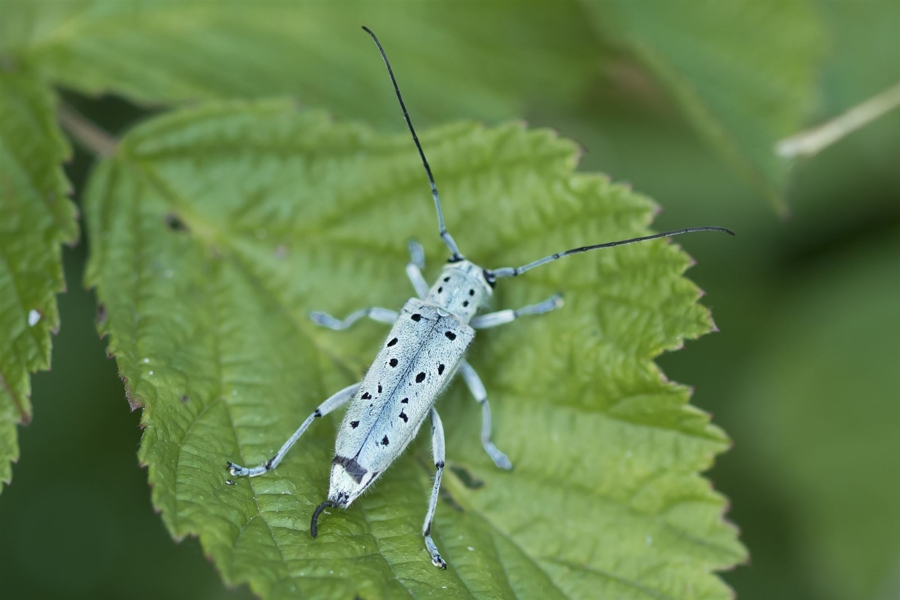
x=420, y=356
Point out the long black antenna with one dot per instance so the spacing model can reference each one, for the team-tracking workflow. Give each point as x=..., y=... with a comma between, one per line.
x=445, y=235
x=512, y=272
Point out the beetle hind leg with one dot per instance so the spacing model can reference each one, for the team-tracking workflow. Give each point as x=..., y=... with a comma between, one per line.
x=437, y=449
x=333, y=403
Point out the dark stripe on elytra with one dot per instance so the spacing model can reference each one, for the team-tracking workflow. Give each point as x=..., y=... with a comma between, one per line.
x=353, y=468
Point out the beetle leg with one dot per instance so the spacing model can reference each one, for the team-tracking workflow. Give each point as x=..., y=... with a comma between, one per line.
x=333, y=403
x=437, y=449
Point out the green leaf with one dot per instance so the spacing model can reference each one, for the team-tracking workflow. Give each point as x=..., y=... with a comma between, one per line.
x=35, y=217
x=218, y=229
x=453, y=61
x=743, y=71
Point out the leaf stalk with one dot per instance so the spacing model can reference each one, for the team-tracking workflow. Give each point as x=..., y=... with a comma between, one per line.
x=85, y=132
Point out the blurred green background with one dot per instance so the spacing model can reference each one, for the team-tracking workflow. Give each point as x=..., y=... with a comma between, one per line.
x=804, y=374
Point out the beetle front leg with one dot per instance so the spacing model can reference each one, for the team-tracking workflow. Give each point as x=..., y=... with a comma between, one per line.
x=414, y=269
x=501, y=317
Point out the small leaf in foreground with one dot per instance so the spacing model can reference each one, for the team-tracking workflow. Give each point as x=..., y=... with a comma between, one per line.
x=35, y=217
x=280, y=212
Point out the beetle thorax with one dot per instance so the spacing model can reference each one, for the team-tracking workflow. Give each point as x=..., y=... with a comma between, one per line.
x=461, y=290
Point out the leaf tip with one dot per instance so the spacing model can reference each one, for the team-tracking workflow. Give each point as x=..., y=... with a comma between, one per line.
x=134, y=401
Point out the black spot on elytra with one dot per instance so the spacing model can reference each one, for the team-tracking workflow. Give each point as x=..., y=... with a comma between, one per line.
x=404, y=401
x=403, y=416
x=471, y=292
x=420, y=377
x=393, y=362
x=366, y=396
x=379, y=388
x=385, y=441
x=416, y=317
x=450, y=335
x=465, y=303
x=440, y=369
x=440, y=289
x=392, y=342
x=446, y=279
x=354, y=424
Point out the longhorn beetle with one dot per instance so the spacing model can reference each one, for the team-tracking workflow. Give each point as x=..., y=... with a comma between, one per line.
x=421, y=355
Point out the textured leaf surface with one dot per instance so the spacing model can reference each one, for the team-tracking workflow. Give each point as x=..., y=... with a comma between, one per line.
x=218, y=229
x=743, y=71
x=35, y=217
x=452, y=59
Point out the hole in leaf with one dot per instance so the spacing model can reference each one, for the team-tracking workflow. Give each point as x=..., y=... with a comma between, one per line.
x=174, y=223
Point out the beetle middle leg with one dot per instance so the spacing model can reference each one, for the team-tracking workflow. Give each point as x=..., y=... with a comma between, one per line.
x=502, y=317
x=382, y=315
x=477, y=388
x=437, y=449
x=333, y=403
